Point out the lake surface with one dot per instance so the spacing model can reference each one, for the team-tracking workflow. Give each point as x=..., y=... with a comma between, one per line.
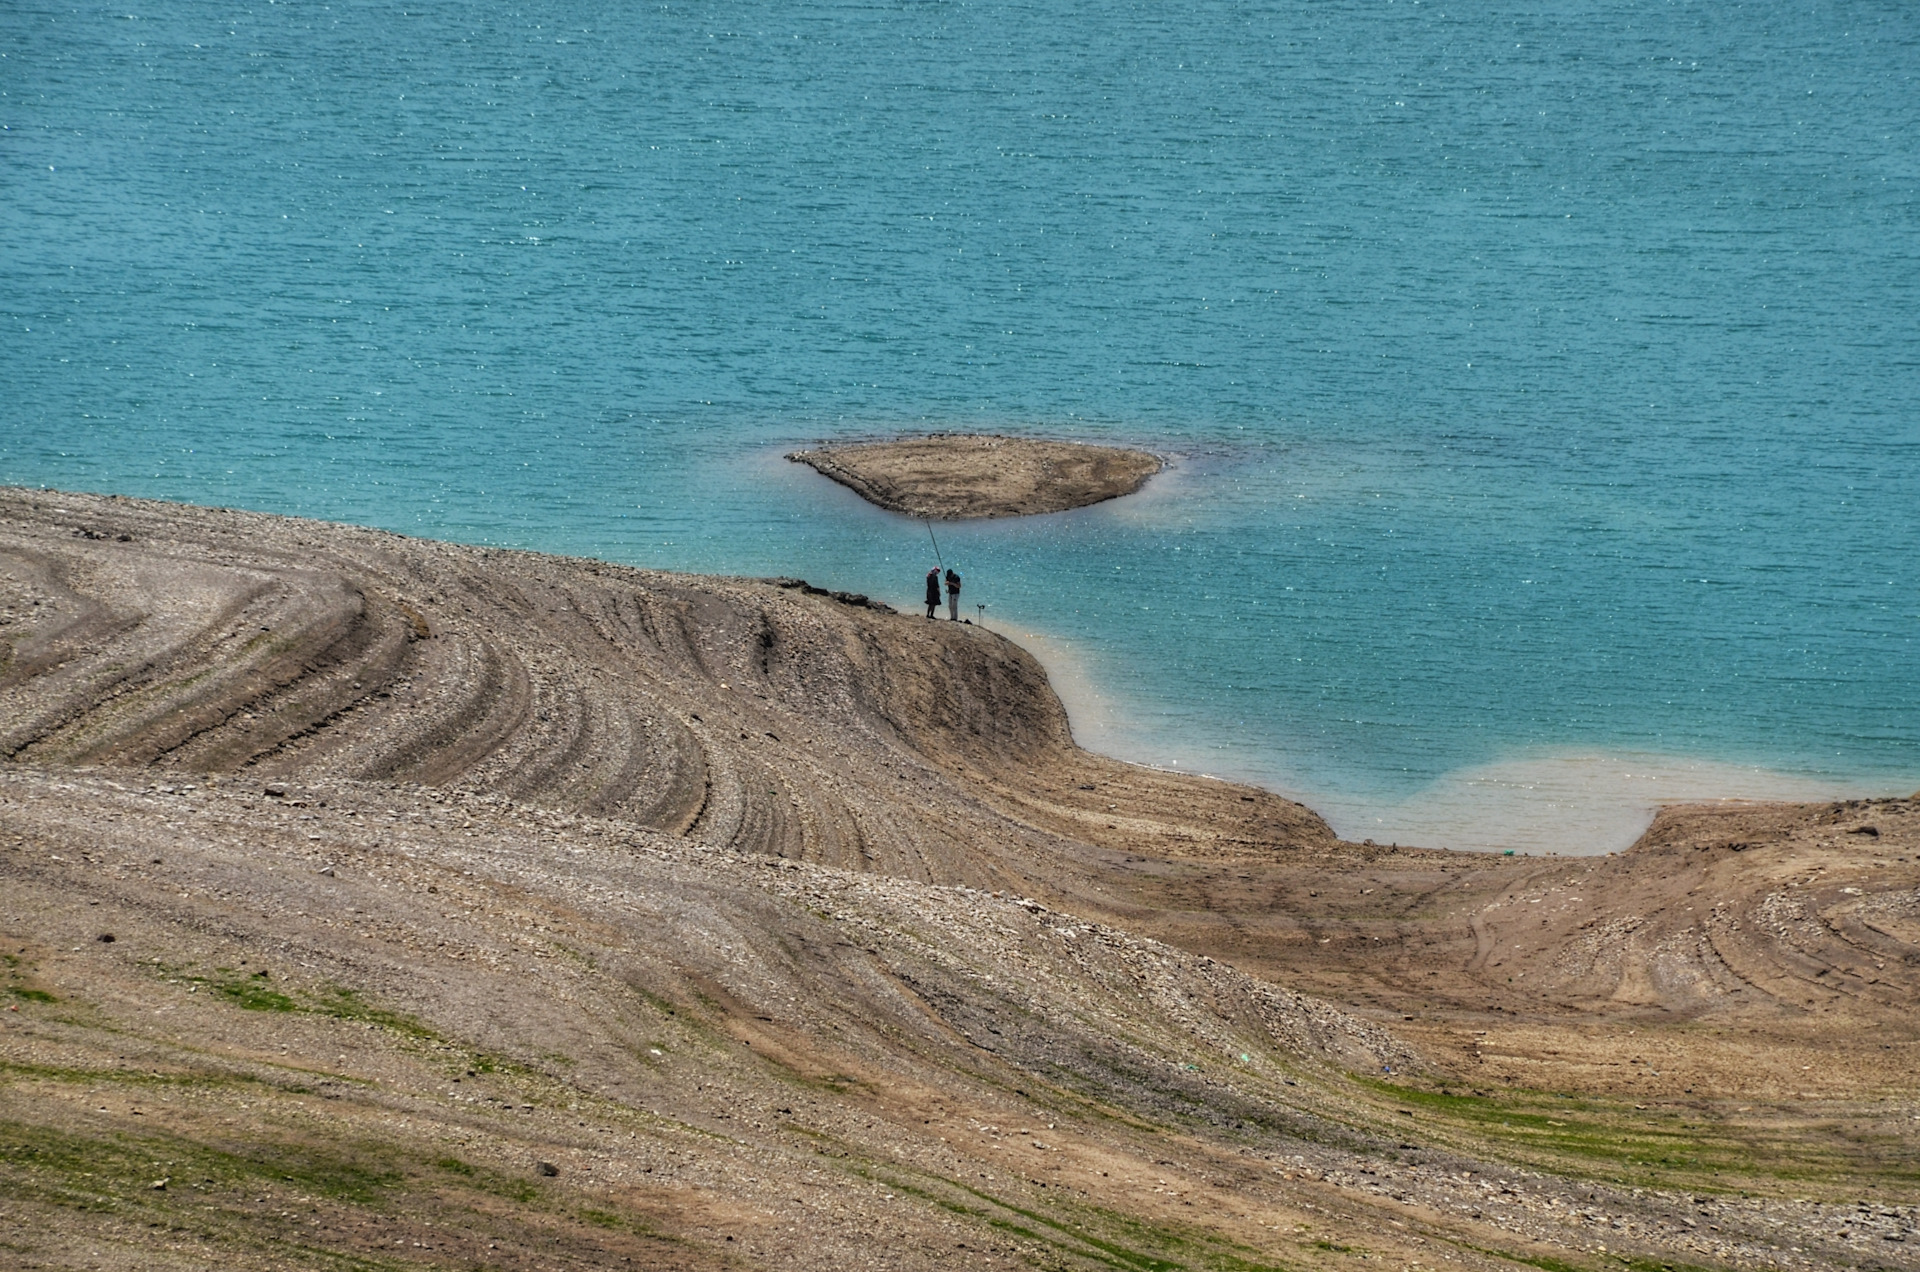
x=1542, y=380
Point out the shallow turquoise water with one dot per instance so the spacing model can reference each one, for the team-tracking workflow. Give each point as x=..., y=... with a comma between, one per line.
x=1543, y=380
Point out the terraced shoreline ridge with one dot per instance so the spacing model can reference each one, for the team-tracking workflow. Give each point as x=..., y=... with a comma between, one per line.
x=964, y=476
x=371, y=902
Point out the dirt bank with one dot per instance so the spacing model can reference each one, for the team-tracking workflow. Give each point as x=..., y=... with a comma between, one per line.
x=790, y=932
x=961, y=476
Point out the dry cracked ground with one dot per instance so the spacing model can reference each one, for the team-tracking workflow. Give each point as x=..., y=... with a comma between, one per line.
x=378, y=903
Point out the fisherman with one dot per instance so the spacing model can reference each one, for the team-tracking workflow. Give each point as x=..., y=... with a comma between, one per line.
x=933, y=592
x=953, y=594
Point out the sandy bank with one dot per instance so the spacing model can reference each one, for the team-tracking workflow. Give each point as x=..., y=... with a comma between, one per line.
x=762, y=716
x=770, y=921
x=961, y=476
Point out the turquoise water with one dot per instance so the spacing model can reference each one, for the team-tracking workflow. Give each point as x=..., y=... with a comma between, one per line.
x=1543, y=380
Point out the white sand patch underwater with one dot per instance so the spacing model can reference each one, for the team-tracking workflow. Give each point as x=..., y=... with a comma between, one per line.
x=1569, y=804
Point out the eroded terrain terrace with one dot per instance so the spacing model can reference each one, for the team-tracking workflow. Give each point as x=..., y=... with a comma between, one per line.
x=373, y=902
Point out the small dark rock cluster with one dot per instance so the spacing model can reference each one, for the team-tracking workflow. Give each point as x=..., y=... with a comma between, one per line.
x=859, y=600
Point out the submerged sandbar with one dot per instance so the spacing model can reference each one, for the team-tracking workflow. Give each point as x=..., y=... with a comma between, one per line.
x=968, y=476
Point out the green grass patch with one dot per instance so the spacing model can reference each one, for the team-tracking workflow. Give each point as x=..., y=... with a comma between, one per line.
x=346, y=1004
x=192, y=1078
x=665, y=1006
x=510, y=1189
x=114, y=1172
x=256, y=993
x=295, y=1200
x=1684, y=1149
x=1048, y=1231
x=24, y=993
x=1074, y=1230
x=234, y=1197
x=252, y=993
x=487, y=1181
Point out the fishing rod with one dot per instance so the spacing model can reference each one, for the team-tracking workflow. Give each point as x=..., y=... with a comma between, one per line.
x=936, y=544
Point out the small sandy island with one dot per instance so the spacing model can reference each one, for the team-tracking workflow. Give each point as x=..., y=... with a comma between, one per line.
x=964, y=476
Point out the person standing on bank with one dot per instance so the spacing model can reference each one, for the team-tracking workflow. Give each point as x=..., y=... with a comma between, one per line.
x=933, y=592
x=953, y=593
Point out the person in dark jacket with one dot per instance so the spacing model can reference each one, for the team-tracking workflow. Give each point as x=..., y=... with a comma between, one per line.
x=933, y=592
x=953, y=593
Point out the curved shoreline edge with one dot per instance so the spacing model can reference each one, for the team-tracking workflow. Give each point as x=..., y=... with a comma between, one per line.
x=662, y=896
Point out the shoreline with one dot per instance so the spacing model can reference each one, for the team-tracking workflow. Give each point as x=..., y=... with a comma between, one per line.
x=1545, y=792
x=632, y=889
x=1564, y=803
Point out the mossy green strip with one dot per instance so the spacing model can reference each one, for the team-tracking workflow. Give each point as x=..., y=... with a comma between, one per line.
x=115, y=1171
x=1092, y=1234
x=1685, y=1150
